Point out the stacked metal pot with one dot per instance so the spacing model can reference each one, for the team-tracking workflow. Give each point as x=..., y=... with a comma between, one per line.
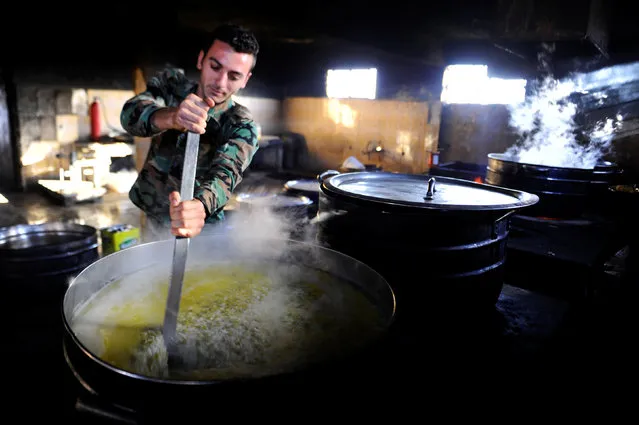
x=136, y=391
x=563, y=192
x=37, y=261
x=439, y=241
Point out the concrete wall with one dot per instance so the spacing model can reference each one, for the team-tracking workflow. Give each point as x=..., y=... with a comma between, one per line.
x=267, y=112
x=37, y=132
x=469, y=133
x=53, y=118
x=52, y=112
x=7, y=167
x=336, y=129
x=46, y=121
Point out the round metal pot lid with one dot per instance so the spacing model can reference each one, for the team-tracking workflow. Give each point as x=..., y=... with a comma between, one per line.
x=274, y=200
x=425, y=192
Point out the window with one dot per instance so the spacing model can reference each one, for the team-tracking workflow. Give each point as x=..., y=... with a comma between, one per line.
x=353, y=83
x=471, y=84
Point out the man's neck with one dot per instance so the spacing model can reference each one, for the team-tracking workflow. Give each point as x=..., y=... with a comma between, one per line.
x=220, y=108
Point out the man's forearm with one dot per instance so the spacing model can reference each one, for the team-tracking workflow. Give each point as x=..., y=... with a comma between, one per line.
x=215, y=187
x=146, y=116
x=164, y=119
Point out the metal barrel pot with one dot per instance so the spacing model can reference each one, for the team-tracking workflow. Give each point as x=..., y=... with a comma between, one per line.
x=41, y=259
x=151, y=393
x=308, y=188
x=295, y=211
x=293, y=207
x=438, y=240
x=563, y=192
x=37, y=263
x=303, y=187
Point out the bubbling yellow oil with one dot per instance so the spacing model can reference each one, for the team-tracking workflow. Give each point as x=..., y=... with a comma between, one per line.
x=235, y=321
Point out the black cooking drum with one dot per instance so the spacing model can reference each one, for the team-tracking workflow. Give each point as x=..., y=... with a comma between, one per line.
x=439, y=241
x=303, y=187
x=39, y=260
x=253, y=313
x=563, y=192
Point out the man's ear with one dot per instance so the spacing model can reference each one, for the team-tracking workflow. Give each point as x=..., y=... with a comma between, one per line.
x=248, y=76
x=200, y=58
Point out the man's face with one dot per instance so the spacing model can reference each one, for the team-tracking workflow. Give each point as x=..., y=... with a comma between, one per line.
x=223, y=71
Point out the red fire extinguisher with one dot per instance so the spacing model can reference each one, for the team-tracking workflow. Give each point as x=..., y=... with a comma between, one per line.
x=94, y=113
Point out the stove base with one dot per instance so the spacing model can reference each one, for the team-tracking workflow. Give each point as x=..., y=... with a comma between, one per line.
x=563, y=258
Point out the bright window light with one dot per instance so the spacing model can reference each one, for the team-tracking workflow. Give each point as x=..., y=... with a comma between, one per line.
x=351, y=83
x=471, y=84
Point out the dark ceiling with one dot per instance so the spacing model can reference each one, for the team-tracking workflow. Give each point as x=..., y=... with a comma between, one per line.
x=582, y=27
x=435, y=33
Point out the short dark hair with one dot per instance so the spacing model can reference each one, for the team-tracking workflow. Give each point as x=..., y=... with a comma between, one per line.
x=241, y=39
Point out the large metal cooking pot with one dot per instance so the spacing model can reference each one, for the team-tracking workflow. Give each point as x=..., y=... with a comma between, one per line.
x=440, y=241
x=563, y=192
x=39, y=260
x=290, y=206
x=308, y=188
x=137, y=390
x=295, y=211
x=304, y=187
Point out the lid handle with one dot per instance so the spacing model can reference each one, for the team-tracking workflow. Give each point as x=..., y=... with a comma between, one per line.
x=326, y=174
x=431, y=189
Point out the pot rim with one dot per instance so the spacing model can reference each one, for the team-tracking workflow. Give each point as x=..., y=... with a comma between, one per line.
x=244, y=198
x=524, y=199
x=600, y=165
x=84, y=234
x=291, y=185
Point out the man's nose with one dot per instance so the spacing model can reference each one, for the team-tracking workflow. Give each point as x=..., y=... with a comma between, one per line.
x=221, y=79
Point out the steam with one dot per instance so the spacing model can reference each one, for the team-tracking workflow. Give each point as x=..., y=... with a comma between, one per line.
x=259, y=230
x=254, y=262
x=545, y=124
x=546, y=121
x=249, y=227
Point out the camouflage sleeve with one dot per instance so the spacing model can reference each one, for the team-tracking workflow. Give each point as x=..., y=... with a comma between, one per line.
x=215, y=187
x=135, y=116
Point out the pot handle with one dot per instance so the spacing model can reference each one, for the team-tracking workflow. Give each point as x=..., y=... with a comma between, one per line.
x=535, y=169
x=431, y=189
x=326, y=174
x=106, y=412
x=494, y=233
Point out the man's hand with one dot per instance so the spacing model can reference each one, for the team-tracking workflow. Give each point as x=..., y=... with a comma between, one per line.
x=192, y=113
x=187, y=217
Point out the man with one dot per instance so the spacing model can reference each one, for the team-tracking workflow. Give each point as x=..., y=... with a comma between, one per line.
x=170, y=107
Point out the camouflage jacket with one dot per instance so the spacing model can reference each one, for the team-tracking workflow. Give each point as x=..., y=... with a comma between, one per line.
x=226, y=148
